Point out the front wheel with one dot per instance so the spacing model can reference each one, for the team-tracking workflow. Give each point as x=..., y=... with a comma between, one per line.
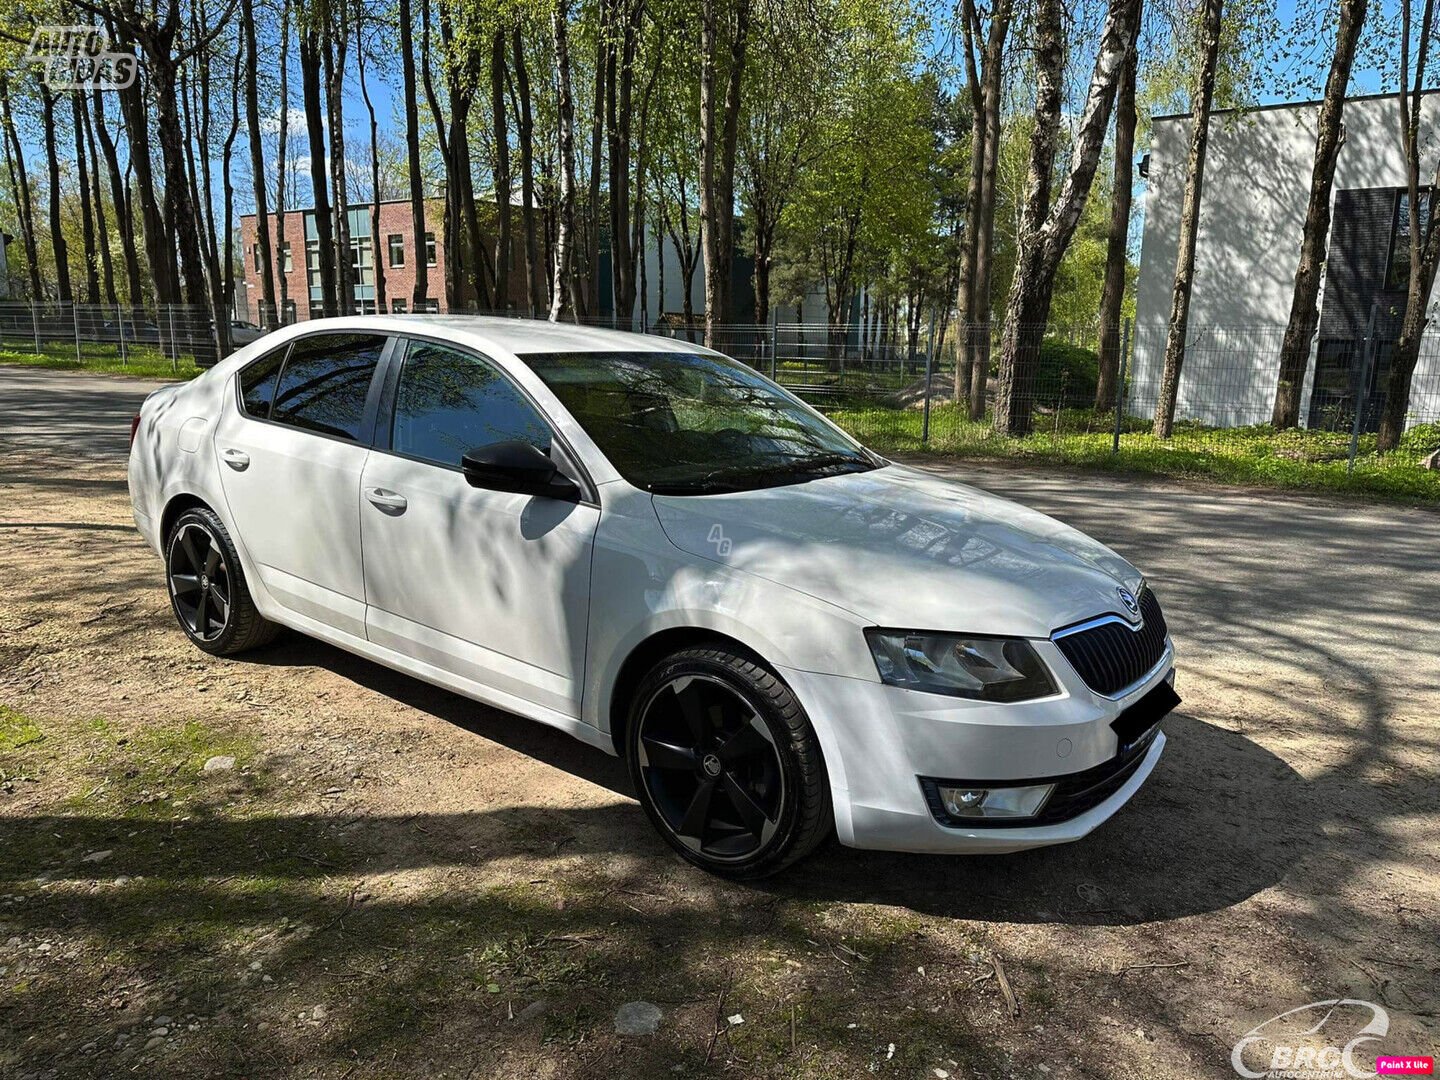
x=207, y=587
x=726, y=763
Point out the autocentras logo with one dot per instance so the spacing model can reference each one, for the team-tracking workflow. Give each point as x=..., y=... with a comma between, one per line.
x=79, y=58
x=1312, y=1042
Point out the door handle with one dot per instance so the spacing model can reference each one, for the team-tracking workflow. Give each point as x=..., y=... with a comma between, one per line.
x=387, y=501
x=236, y=459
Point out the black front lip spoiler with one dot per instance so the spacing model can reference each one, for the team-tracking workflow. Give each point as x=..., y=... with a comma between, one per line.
x=1075, y=793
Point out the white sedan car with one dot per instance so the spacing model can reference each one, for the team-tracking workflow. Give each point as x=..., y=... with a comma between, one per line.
x=658, y=550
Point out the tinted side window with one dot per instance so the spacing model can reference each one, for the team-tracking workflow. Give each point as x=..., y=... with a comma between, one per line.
x=449, y=402
x=324, y=383
x=257, y=383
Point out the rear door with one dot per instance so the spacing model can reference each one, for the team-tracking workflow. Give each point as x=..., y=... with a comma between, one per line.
x=491, y=586
x=291, y=452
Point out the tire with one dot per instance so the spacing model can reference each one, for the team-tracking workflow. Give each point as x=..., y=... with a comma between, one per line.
x=683, y=718
x=207, y=587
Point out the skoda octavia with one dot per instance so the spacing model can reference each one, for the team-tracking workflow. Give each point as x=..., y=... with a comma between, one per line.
x=668, y=556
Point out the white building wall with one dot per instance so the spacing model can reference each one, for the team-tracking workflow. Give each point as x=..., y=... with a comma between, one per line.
x=1252, y=213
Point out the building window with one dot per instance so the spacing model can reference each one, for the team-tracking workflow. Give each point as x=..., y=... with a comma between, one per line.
x=429, y=249
x=396, y=243
x=362, y=258
x=312, y=264
x=397, y=307
x=285, y=254
x=1397, y=267
x=428, y=307
x=289, y=312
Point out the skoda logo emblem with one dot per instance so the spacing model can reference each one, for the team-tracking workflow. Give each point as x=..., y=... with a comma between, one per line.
x=711, y=764
x=1128, y=599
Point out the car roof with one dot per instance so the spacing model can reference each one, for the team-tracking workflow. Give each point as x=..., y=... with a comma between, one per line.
x=515, y=335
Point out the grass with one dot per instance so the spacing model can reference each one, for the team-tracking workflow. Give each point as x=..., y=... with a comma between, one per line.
x=17, y=730
x=1257, y=455
x=139, y=361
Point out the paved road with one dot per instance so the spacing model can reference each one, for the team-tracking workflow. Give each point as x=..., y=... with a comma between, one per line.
x=71, y=410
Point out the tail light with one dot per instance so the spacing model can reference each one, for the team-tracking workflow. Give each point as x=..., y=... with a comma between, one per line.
x=134, y=427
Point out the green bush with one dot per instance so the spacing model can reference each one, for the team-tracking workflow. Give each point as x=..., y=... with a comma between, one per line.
x=1066, y=371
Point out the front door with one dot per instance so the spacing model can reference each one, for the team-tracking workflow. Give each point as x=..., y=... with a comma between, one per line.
x=491, y=586
x=291, y=455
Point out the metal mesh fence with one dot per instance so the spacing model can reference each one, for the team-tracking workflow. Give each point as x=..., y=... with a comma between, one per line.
x=102, y=335
x=959, y=389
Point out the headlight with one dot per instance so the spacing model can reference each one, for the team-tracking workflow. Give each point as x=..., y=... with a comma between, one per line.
x=984, y=668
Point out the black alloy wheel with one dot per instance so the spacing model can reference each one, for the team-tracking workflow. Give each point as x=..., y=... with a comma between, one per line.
x=207, y=587
x=727, y=764
x=200, y=582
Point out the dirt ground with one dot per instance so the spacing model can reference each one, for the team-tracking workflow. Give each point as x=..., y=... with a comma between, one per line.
x=394, y=881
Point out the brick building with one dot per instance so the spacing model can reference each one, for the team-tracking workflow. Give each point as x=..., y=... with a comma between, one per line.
x=398, y=258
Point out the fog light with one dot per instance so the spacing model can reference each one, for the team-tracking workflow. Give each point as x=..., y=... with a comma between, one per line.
x=1007, y=802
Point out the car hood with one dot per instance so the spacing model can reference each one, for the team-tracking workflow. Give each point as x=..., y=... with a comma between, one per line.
x=906, y=549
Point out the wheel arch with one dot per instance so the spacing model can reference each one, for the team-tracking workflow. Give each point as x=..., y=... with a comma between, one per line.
x=176, y=506
x=649, y=652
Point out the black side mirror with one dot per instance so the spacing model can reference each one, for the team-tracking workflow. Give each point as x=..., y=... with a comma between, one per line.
x=517, y=466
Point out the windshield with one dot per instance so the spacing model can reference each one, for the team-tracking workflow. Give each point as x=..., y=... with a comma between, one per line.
x=693, y=424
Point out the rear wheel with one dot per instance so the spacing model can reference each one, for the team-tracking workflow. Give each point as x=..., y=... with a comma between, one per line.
x=726, y=763
x=207, y=587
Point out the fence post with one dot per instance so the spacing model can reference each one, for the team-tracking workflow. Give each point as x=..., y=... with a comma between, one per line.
x=929, y=370
x=35, y=321
x=774, y=343
x=75, y=321
x=1362, y=386
x=120, y=328
x=174, y=346
x=1120, y=386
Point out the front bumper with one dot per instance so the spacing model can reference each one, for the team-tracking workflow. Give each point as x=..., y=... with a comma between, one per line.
x=879, y=741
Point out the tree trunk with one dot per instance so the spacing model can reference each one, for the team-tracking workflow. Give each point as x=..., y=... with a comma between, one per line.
x=1046, y=230
x=333, y=42
x=87, y=215
x=227, y=283
x=310, y=70
x=590, y=270
x=501, y=168
x=1304, y=309
x=102, y=228
x=377, y=262
x=120, y=200
x=620, y=80
x=565, y=278
x=1189, y=222
x=57, y=236
x=1112, y=293
x=20, y=184
x=717, y=163
x=159, y=245
x=412, y=156
x=282, y=292
x=965, y=286
x=534, y=267
x=184, y=225
x=1424, y=237
x=268, y=310
x=992, y=75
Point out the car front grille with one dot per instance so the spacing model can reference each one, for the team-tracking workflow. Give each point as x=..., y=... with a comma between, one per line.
x=1112, y=655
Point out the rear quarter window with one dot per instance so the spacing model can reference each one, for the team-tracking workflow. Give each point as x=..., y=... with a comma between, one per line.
x=257, y=383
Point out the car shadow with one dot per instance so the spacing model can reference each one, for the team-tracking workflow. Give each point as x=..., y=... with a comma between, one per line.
x=1219, y=820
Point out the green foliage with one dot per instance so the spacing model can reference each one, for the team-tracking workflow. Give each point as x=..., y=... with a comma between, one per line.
x=1071, y=370
x=1259, y=455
